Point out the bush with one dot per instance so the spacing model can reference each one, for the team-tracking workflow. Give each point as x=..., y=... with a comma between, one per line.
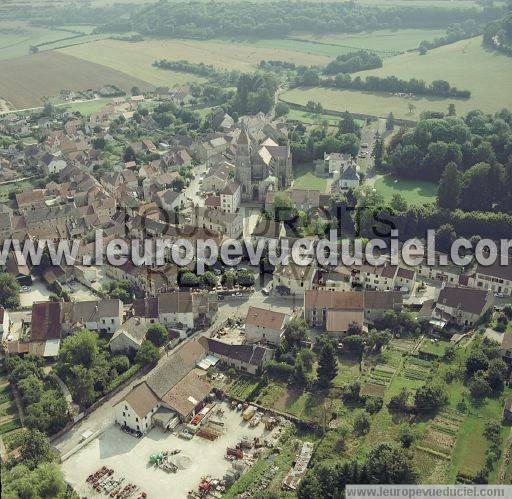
x=373, y=404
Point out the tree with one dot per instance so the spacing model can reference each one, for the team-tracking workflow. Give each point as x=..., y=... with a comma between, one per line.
x=445, y=236
x=158, y=335
x=399, y=402
x=390, y=122
x=120, y=363
x=361, y=423
x=448, y=194
x=398, y=203
x=387, y=464
x=148, y=354
x=283, y=208
x=296, y=333
x=476, y=361
x=378, y=153
x=9, y=291
x=135, y=91
x=229, y=278
x=327, y=363
x=373, y=404
x=496, y=374
x=178, y=184
x=429, y=398
x=129, y=154
x=35, y=448
x=31, y=389
x=209, y=279
x=245, y=278
x=80, y=349
x=282, y=109
x=406, y=435
x=479, y=388
x=352, y=391
x=45, y=481
x=451, y=110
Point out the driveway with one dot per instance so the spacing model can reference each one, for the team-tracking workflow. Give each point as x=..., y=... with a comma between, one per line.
x=38, y=292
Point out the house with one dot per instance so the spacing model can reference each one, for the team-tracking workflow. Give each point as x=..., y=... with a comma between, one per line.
x=293, y=279
x=495, y=277
x=129, y=336
x=169, y=200
x=337, y=162
x=348, y=178
x=231, y=197
x=462, y=306
x=30, y=200
x=247, y=358
x=380, y=278
x=377, y=303
x=52, y=164
x=334, y=311
x=229, y=224
x=268, y=230
x=264, y=325
x=137, y=408
x=104, y=315
x=335, y=279
x=180, y=309
x=405, y=279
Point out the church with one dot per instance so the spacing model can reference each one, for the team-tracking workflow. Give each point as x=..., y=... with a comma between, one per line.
x=261, y=167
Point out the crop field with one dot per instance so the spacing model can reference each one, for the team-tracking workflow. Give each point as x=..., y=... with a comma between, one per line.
x=464, y=64
x=414, y=192
x=26, y=80
x=381, y=41
x=137, y=58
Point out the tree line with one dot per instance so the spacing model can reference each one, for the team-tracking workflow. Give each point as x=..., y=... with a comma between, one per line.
x=393, y=84
x=279, y=18
x=352, y=62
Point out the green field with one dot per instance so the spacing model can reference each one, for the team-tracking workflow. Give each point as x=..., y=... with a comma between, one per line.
x=414, y=192
x=16, y=37
x=382, y=41
x=463, y=64
x=88, y=107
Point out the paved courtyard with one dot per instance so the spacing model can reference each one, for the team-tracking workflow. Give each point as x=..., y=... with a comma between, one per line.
x=129, y=457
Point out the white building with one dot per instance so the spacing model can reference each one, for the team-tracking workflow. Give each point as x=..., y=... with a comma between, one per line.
x=231, y=197
x=129, y=337
x=264, y=325
x=136, y=410
x=4, y=321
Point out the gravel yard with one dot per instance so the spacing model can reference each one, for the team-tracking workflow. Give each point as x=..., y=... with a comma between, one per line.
x=129, y=457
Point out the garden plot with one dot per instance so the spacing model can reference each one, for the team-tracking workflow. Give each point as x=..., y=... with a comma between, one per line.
x=9, y=419
x=441, y=435
x=381, y=374
x=402, y=345
x=373, y=389
x=417, y=369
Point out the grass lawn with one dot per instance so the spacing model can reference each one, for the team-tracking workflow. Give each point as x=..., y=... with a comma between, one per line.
x=86, y=108
x=464, y=64
x=305, y=178
x=414, y=192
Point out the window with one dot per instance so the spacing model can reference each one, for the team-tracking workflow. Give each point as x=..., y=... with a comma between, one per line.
x=124, y=414
x=136, y=420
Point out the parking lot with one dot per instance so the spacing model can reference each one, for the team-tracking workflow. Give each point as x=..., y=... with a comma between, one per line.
x=129, y=457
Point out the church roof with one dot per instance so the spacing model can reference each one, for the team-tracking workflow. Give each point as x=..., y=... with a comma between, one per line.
x=243, y=138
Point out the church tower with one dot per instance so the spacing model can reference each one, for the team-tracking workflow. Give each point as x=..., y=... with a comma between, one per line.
x=243, y=163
